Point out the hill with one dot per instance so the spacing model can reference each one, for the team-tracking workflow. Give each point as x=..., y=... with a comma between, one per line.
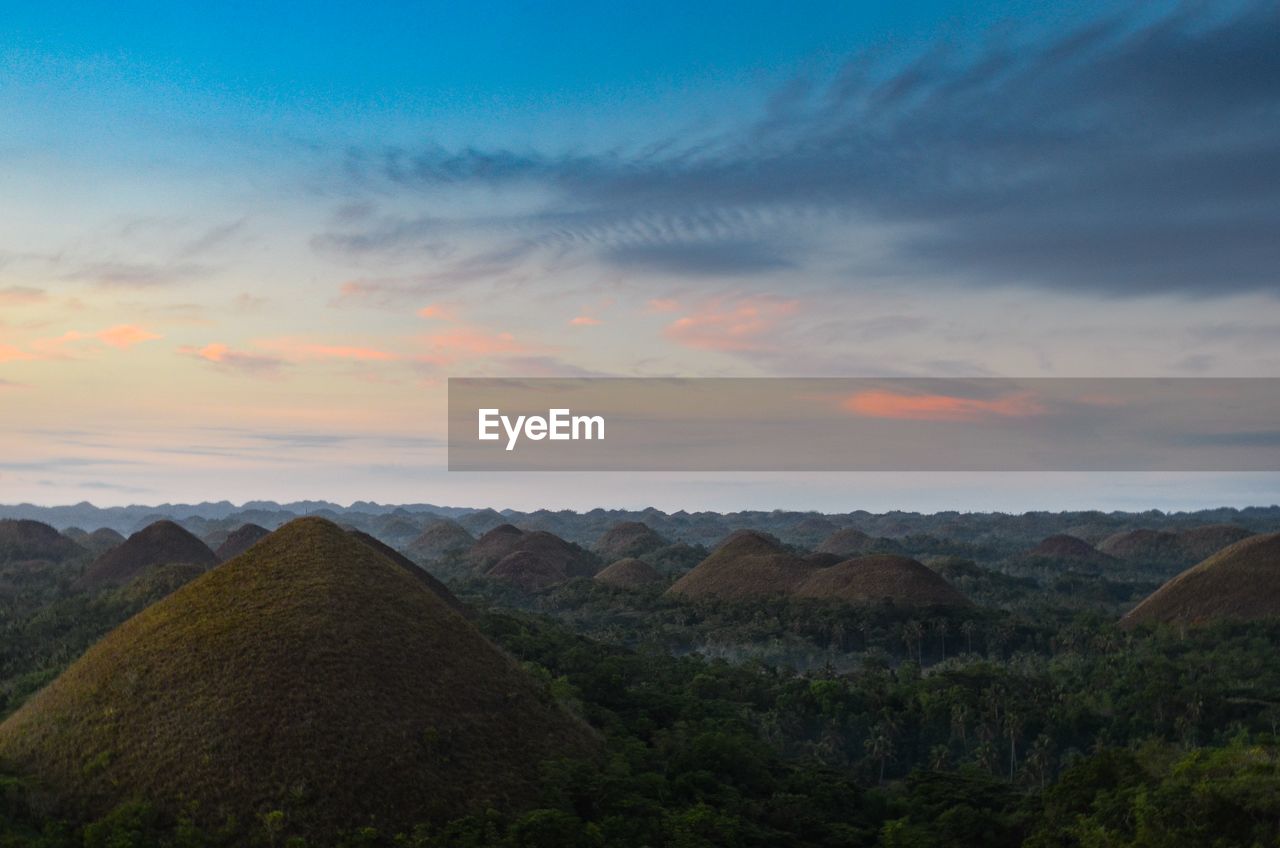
x=416, y=571
x=241, y=540
x=160, y=543
x=1143, y=545
x=881, y=577
x=1241, y=581
x=746, y=565
x=528, y=570
x=1062, y=546
x=505, y=540
x=439, y=539
x=851, y=543
x=629, y=573
x=628, y=539
x=22, y=540
x=311, y=675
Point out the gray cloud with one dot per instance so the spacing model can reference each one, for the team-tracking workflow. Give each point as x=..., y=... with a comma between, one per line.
x=1130, y=157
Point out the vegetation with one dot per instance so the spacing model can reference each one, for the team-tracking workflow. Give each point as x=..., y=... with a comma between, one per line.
x=1031, y=717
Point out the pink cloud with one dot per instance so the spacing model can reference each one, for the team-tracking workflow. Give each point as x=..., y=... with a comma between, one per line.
x=297, y=349
x=9, y=353
x=740, y=325
x=663, y=304
x=21, y=296
x=886, y=404
x=125, y=336
x=437, y=312
x=584, y=321
x=221, y=354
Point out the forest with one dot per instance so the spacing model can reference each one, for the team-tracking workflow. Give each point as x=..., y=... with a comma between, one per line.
x=1031, y=717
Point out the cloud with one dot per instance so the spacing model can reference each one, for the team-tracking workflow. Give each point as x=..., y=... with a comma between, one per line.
x=472, y=343
x=297, y=349
x=741, y=325
x=125, y=336
x=584, y=321
x=437, y=312
x=138, y=274
x=21, y=296
x=1132, y=156
x=9, y=353
x=927, y=407
x=221, y=354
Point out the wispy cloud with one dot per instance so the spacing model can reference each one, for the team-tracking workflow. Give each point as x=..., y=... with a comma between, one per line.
x=223, y=355
x=1135, y=155
x=125, y=336
x=744, y=324
x=21, y=296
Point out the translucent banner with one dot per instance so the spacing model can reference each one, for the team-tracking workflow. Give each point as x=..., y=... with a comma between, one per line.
x=864, y=424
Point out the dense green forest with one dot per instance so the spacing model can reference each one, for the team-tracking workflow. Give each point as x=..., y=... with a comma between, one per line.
x=1027, y=719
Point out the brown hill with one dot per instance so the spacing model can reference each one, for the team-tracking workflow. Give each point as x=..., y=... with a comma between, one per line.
x=418, y=572
x=481, y=521
x=1143, y=546
x=881, y=577
x=629, y=573
x=1201, y=542
x=1241, y=581
x=747, y=564
x=528, y=570
x=1062, y=546
x=310, y=675
x=157, y=544
x=102, y=540
x=241, y=540
x=628, y=539
x=505, y=540
x=440, y=538
x=851, y=543
x=22, y=540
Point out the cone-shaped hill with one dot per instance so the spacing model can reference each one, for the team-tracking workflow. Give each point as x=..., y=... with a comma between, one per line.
x=500, y=542
x=244, y=538
x=160, y=543
x=628, y=539
x=418, y=572
x=746, y=565
x=311, y=674
x=1143, y=545
x=23, y=540
x=102, y=540
x=1239, y=582
x=1062, y=546
x=440, y=539
x=851, y=543
x=880, y=577
x=629, y=573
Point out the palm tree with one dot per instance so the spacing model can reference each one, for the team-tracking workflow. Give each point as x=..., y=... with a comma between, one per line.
x=940, y=627
x=968, y=627
x=1013, y=726
x=1038, y=758
x=879, y=746
x=960, y=722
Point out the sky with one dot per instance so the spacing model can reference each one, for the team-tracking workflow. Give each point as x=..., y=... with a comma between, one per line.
x=243, y=248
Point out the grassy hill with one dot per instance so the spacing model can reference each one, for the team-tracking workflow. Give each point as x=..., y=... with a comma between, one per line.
x=1240, y=582
x=881, y=577
x=629, y=573
x=310, y=675
x=160, y=543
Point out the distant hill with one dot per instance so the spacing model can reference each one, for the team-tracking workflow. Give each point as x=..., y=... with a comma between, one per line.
x=628, y=539
x=241, y=540
x=1242, y=582
x=881, y=577
x=529, y=570
x=1143, y=545
x=31, y=540
x=1200, y=542
x=502, y=541
x=745, y=565
x=439, y=539
x=1062, y=546
x=310, y=674
x=158, y=544
x=481, y=521
x=629, y=573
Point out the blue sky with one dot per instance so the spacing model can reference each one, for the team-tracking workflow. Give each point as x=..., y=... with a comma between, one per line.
x=230, y=235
